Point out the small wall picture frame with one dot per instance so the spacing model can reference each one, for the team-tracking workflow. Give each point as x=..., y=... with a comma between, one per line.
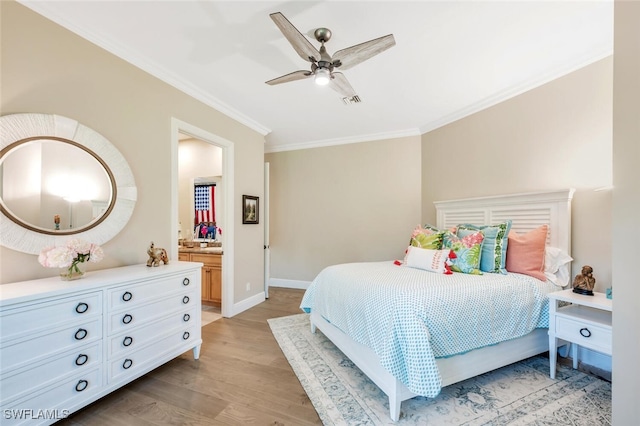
x=250, y=208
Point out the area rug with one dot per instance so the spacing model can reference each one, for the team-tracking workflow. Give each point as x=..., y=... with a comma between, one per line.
x=518, y=394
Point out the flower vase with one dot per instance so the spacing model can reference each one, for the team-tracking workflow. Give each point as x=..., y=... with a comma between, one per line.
x=73, y=273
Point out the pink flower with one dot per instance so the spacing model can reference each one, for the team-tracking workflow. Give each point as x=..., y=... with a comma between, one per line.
x=96, y=253
x=73, y=252
x=472, y=239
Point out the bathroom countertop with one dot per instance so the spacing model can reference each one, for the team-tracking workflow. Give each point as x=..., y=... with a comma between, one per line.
x=214, y=250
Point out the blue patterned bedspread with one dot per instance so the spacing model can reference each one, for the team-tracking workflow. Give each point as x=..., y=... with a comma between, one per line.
x=409, y=316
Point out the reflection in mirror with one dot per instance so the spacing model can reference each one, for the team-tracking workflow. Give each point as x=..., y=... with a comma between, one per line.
x=54, y=185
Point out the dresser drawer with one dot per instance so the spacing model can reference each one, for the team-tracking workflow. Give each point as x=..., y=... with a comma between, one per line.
x=129, y=319
x=21, y=382
x=128, y=364
x=52, y=403
x=127, y=296
x=141, y=336
x=584, y=333
x=26, y=351
x=24, y=320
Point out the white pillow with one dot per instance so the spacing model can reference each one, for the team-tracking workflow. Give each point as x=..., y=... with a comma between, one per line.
x=554, y=261
x=428, y=260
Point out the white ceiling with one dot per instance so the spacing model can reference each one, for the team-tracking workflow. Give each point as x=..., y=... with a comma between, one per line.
x=451, y=58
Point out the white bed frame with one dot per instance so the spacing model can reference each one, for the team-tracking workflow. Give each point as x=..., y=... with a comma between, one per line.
x=527, y=212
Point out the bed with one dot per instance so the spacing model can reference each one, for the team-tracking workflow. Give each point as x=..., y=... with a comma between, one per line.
x=394, y=329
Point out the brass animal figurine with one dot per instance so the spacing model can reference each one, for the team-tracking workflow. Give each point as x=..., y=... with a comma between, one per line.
x=584, y=282
x=157, y=255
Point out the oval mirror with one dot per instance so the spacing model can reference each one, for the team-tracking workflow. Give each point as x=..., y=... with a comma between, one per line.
x=60, y=178
x=54, y=186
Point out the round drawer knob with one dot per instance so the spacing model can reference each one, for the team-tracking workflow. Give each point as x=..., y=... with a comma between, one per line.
x=186, y=281
x=127, y=296
x=127, y=341
x=82, y=359
x=80, y=334
x=185, y=335
x=186, y=317
x=81, y=385
x=585, y=332
x=185, y=300
x=127, y=319
x=127, y=364
x=82, y=307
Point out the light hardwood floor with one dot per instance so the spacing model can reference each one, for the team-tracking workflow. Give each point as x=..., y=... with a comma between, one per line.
x=241, y=378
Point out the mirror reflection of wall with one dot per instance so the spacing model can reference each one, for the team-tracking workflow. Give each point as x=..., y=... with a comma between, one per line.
x=198, y=162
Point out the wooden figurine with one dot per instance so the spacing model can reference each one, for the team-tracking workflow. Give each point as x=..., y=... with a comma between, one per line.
x=584, y=282
x=156, y=255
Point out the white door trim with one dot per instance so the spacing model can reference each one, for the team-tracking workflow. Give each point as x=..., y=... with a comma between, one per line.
x=267, y=252
x=228, y=161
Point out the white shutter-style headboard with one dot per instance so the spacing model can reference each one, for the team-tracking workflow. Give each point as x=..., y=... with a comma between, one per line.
x=526, y=211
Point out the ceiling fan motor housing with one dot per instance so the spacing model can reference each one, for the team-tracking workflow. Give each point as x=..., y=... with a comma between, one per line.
x=322, y=34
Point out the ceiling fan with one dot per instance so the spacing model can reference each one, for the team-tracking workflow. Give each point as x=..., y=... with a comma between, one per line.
x=323, y=64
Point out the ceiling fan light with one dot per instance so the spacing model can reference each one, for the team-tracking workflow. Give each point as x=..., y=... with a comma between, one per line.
x=322, y=76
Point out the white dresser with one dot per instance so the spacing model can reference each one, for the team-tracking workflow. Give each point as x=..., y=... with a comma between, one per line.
x=64, y=344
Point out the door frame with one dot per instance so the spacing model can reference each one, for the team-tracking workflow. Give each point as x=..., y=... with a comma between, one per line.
x=265, y=215
x=228, y=155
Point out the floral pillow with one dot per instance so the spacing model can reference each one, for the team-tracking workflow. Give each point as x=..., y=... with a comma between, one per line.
x=494, y=247
x=467, y=251
x=426, y=238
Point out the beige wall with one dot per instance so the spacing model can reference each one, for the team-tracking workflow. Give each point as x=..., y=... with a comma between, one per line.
x=47, y=69
x=626, y=205
x=556, y=136
x=348, y=203
x=552, y=137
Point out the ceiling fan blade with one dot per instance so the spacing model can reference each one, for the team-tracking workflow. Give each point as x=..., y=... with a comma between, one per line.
x=353, y=55
x=302, y=46
x=340, y=84
x=296, y=75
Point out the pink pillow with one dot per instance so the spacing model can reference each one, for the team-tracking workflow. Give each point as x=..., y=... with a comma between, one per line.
x=525, y=252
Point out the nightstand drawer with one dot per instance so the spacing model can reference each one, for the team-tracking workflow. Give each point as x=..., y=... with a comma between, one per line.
x=584, y=333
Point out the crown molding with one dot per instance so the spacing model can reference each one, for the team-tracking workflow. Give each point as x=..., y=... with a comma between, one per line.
x=340, y=141
x=47, y=9
x=516, y=90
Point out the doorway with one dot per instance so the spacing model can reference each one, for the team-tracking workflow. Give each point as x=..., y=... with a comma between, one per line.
x=179, y=127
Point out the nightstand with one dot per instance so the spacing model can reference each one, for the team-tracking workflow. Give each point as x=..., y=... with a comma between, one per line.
x=585, y=322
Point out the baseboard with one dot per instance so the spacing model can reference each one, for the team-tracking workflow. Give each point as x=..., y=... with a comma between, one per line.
x=247, y=303
x=282, y=282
